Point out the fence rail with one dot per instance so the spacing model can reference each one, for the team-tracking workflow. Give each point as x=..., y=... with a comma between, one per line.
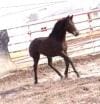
x=88, y=42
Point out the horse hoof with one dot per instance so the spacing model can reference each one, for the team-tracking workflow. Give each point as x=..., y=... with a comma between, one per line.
x=35, y=82
x=61, y=77
x=78, y=75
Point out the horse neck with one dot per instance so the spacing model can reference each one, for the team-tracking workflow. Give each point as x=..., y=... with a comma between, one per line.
x=58, y=35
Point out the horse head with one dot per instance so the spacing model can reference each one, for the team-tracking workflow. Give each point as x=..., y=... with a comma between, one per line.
x=70, y=26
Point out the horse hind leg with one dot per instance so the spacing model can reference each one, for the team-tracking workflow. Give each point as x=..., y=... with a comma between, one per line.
x=36, y=59
x=50, y=64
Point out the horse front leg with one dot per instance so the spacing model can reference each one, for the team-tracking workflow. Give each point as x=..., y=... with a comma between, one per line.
x=67, y=62
x=50, y=64
x=67, y=66
x=74, y=67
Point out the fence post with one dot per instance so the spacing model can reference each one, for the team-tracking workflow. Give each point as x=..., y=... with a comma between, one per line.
x=90, y=20
x=91, y=30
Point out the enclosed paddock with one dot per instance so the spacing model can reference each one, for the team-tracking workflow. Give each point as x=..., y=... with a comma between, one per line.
x=17, y=87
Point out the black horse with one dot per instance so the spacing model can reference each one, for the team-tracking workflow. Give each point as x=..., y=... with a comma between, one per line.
x=54, y=45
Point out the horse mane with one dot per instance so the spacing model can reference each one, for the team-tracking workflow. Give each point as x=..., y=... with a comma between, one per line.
x=59, y=30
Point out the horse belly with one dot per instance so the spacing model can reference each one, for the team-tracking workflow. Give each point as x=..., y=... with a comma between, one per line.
x=51, y=49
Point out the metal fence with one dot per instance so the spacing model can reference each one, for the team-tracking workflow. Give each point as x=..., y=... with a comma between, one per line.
x=88, y=23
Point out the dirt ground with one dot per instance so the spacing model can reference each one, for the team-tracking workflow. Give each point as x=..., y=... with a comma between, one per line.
x=18, y=87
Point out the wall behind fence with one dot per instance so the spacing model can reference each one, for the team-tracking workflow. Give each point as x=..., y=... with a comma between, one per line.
x=88, y=42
